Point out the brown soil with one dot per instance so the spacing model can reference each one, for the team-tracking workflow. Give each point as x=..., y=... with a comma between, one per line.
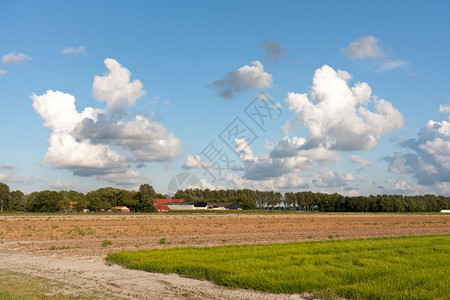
x=78, y=244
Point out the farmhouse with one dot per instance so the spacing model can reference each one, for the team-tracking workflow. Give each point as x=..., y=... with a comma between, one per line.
x=123, y=209
x=187, y=205
x=161, y=204
x=224, y=206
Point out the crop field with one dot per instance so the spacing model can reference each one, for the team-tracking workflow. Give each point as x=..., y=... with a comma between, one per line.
x=101, y=234
x=69, y=250
x=390, y=268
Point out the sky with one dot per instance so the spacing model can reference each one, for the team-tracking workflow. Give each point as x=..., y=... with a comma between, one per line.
x=350, y=97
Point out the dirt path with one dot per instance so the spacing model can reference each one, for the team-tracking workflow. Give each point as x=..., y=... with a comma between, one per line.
x=92, y=277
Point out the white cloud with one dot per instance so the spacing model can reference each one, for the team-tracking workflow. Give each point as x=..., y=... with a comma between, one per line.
x=444, y=109
x=74, y=50
x=13, y=178
x=15, y=58
x=61, y=185
x=392, y=65
x=195, y=162
x=58, y=112
x=364, y=47
x=115, y=87
x=128, y=178
x=338, y=116
x=248, y=77
x=3, y=72
x=325, y=178
x=356, y=159
x=273, y=50
x=97, y=142
x=429, y=160
x=146, y=140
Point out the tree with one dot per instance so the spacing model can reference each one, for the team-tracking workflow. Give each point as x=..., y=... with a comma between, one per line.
x=17, y=201
x=146, y=198
x=45, y=201
x=4, y=195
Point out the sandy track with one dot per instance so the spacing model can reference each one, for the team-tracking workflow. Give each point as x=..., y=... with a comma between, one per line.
x=69, y=249
x=91, y=276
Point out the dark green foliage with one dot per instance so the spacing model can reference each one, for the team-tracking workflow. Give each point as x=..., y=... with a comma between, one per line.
x=45, y=201
x=4, y=196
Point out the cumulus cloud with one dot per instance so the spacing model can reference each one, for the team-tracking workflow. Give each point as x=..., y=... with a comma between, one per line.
x=99, y=142
x=128, y=178
x=325, y=178
x=14, y=178
x=429, y=159
x=3, y=73
x=264, y=166
x=356, y=159
x=61, y=185
x=273, y=50
x=58, y=111
x=248, y=77
x=364, y=47
x=74, y=50
x=146, y=140
x=15, y=58
x=195, y=162
x=115, y=87
x=338, y=117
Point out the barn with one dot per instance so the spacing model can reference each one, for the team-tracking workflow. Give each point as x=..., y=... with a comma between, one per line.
x=161, y=204
x=224, y=206
x=187, y=205
x=122, y=209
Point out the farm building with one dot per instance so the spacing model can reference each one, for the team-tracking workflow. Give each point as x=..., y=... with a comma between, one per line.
x=445, y=211
x=187, y=205
x=123, y=209
x=224, y=206
x=161, y=204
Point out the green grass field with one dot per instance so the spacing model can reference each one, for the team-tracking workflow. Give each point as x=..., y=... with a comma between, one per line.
x=416, y=267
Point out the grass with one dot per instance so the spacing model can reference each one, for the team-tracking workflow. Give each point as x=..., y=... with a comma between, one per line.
x=382, y=268
x=16, y=286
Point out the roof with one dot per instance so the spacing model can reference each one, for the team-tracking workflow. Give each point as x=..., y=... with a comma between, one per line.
x=194, y=203
x=160, y=202
x=121, y=207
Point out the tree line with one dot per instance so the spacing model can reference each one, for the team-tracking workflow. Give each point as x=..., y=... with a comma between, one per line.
x=104, y=199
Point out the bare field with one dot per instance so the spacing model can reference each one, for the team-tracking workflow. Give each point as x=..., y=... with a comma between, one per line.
x=101, y=234
x=69, y=250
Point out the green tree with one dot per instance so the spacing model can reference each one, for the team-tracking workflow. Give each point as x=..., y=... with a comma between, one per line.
x=18, y=201
x=4, y=195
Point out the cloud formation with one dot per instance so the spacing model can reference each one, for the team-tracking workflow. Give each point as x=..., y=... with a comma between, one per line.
x=325, y=178
x=338, y=117
x=429, y=159
x=61, y=185
x=364, y=47
x=392, y=64
x=356, y=159
x=15, y=58
x=74, y=50
x=100, y=142
x=116, y=89
x=248, y=77
x=273, y=50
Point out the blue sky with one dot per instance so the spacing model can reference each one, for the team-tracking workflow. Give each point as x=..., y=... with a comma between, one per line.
x=355, y=95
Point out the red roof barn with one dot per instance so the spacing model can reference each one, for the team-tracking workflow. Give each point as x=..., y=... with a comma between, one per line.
x=159, y=203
